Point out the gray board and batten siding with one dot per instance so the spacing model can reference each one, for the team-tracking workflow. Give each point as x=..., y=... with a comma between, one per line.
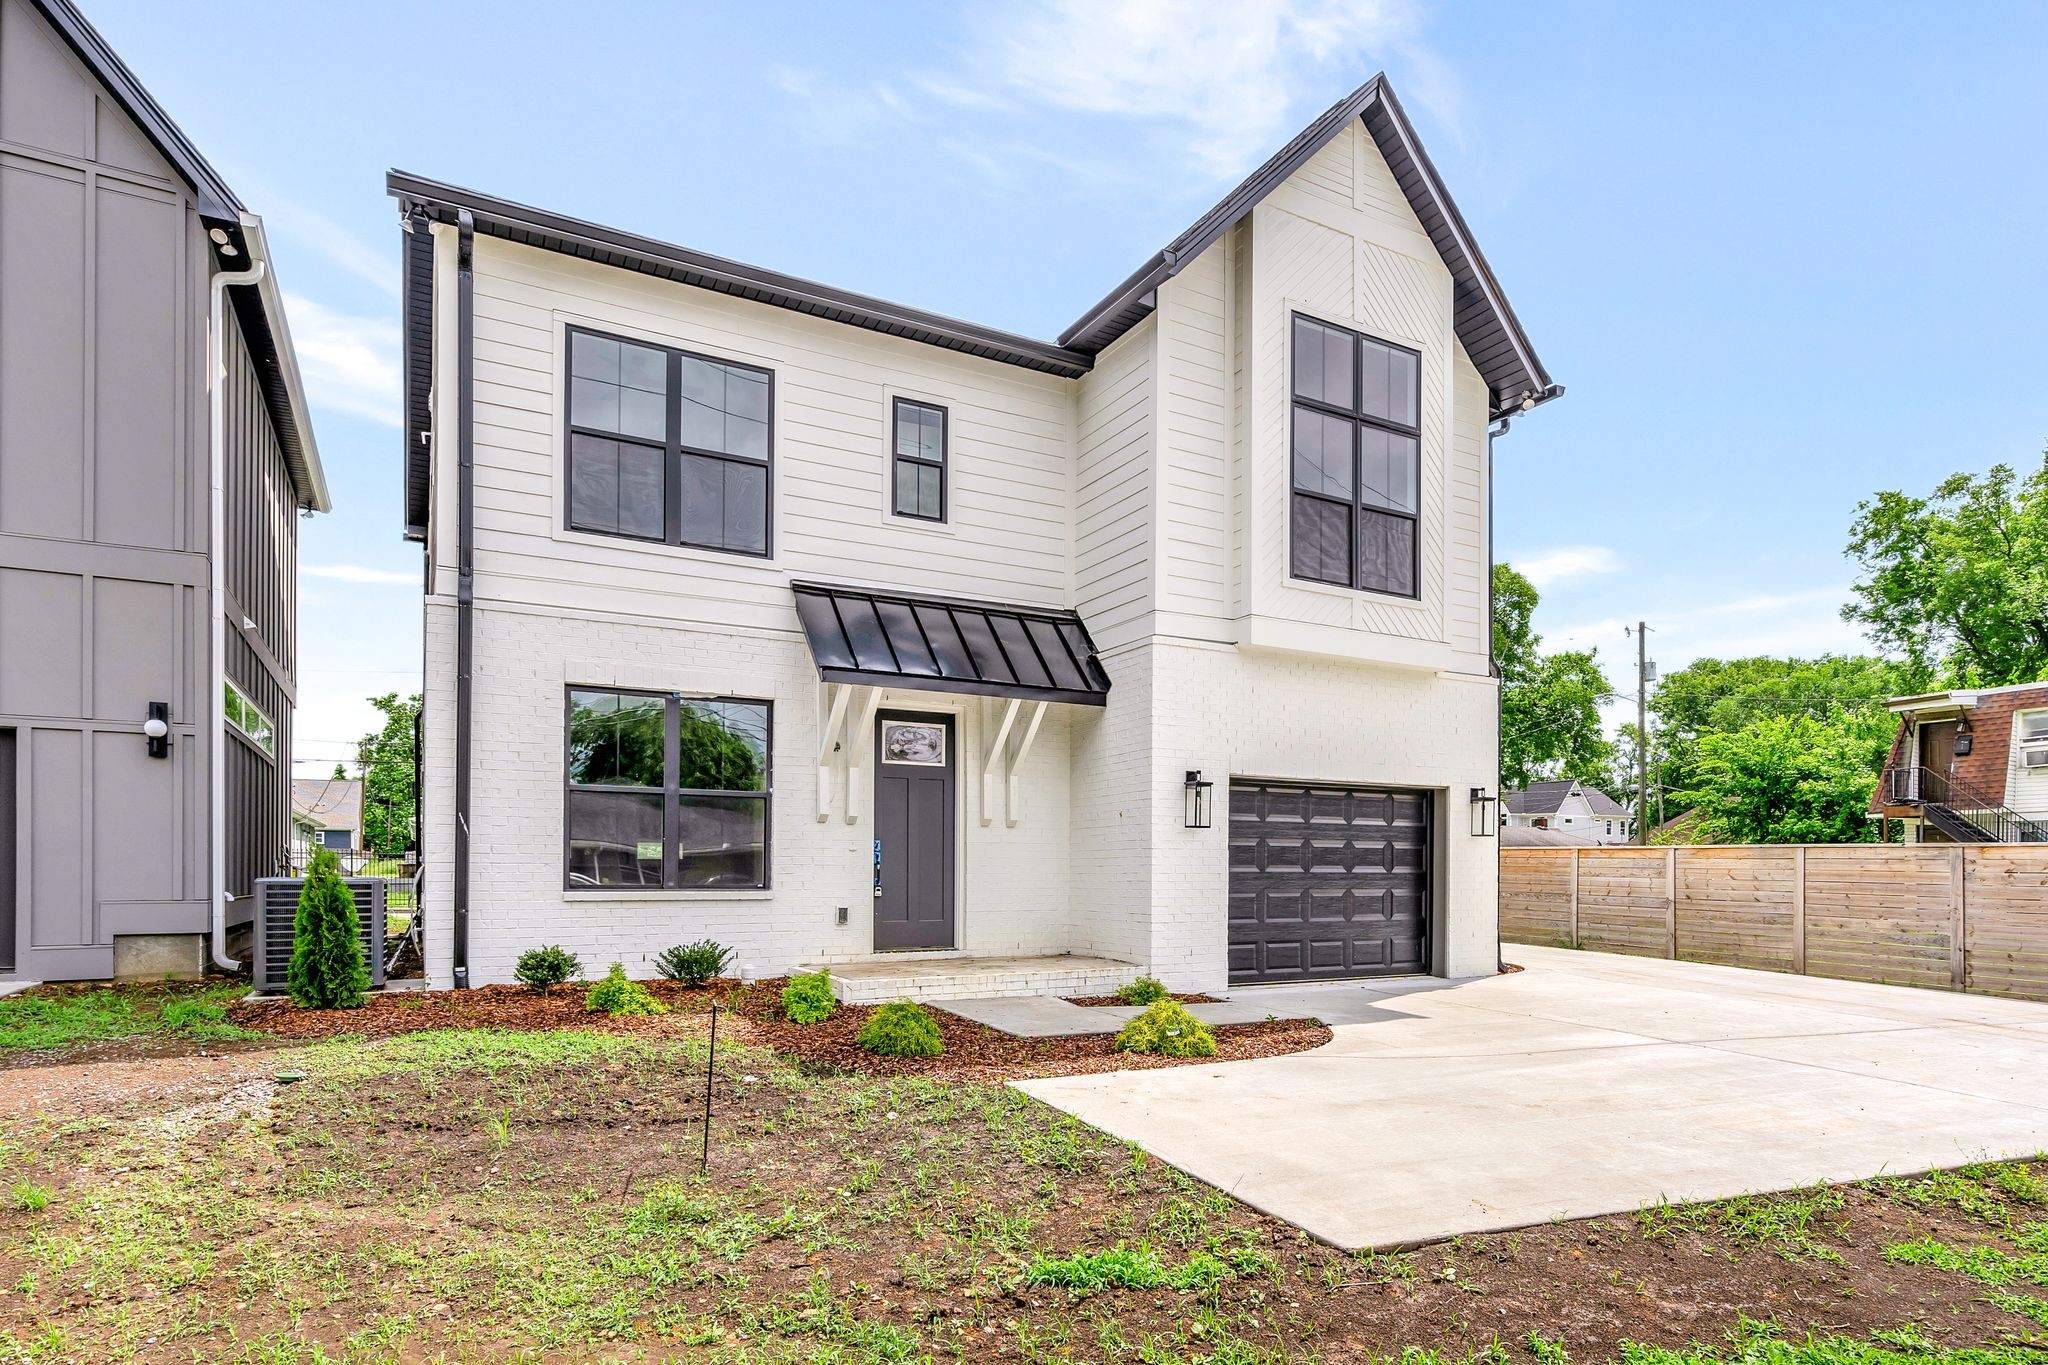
x=105, y=266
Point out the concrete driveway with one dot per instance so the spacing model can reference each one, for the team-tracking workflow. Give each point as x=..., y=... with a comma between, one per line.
x=1586, y=1084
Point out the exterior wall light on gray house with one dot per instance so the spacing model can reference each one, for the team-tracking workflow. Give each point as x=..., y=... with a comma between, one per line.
x=1483, y=822
x=157, y=729
x=1196, y=798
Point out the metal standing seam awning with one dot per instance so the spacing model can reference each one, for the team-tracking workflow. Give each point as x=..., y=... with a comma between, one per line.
x=864, y=640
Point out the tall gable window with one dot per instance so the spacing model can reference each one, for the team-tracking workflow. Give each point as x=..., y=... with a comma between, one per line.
x=668, y=446
x=918, y=477
x=1357, y=459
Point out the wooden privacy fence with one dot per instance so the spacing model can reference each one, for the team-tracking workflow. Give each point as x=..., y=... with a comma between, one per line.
x=1965, y=917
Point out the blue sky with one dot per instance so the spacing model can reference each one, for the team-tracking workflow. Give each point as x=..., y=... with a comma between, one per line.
x=1781, y=256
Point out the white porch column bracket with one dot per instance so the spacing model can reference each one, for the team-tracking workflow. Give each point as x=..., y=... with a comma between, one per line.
x=831, y=716
x=858, y=729
x=1012, y=800
x=991, y=754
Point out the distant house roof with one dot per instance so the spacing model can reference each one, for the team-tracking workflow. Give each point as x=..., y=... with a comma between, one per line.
x=1682, y=828
x=1539, y=798
x=327, y=803
x=259, y=307
x=1528, y=836
x=1547, y=798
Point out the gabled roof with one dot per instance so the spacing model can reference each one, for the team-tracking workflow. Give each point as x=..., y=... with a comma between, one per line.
x=259, y=308
x=1539, y=798
x=1600, y=803
x=328, y=802
x=1486, y=325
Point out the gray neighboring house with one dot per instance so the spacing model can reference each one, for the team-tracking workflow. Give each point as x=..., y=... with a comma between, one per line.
x=330, y=811
x=148, y=524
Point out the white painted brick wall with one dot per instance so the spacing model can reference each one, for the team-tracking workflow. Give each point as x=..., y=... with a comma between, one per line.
x=1153, y=891
x=1012, y=897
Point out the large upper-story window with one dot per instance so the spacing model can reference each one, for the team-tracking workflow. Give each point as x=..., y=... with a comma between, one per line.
x=666, y=791
x=668, y=446
x=1357, y=459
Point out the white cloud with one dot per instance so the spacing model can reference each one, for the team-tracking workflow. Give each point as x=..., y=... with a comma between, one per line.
x=1799, y=624
x=359, y=573
x=350, y=363
x=1228, y=73
x=1566, y=561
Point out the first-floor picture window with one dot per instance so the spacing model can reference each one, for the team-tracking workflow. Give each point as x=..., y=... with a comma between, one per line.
x=666, y=791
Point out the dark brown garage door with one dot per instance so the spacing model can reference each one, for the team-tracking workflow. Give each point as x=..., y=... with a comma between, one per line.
x=1327, y=882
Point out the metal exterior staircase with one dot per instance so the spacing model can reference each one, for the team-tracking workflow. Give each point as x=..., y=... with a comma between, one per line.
x=1965, y=815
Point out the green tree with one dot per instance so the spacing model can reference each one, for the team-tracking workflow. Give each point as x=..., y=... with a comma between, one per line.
x=1790, y=779
x=327, y=970
x=1958, y=581
x=1549, y=703
x=389, y=766
x=1721, y=696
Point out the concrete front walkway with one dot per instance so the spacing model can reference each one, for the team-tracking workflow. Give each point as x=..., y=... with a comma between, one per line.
x=1586, y=1084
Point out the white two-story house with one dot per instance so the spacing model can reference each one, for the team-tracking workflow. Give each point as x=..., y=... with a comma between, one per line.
x=829, y=629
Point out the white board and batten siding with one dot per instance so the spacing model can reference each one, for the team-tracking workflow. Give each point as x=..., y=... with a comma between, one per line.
x=1336, y=242
x=1009, y=480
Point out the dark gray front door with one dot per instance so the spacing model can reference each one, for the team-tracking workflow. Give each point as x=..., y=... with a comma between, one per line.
x=8, y=806
x=914, y=769
x=1327, y=881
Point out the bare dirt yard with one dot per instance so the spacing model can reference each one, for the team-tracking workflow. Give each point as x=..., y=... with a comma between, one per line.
x=472, y=1190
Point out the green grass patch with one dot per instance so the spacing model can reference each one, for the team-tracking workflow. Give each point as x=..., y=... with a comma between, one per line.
x=51, y=1021
x=1759, y=1343
x=1140, y=1267
x=1788, y=1224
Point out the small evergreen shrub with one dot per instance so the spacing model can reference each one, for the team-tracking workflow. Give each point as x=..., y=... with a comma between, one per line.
x=1168, y=1029
x=902, y=1028
x=1144, y=991
x=540, y=968
x=693, y=964
x=808, y=999
x=615, y=994
x=327, y=971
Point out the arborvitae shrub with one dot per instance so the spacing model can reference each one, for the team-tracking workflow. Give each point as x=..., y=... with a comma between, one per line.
x=327, y=971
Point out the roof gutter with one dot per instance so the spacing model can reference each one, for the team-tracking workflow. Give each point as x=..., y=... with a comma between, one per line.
x=307, y=472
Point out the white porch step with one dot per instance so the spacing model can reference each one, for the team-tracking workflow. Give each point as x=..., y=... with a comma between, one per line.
x=876, y=980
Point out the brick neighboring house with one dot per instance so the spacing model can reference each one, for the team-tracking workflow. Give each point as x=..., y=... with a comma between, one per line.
x=1969, y=766
x=833, y=629
x=1568, y=807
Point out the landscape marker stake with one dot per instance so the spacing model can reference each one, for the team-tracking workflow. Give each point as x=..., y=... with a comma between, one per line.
x=710, y=1061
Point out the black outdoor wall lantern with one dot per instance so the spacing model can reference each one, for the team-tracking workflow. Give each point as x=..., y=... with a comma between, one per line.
x=1963, y=740
x=157, y=729
x=1196, y=800
x=1482, y=813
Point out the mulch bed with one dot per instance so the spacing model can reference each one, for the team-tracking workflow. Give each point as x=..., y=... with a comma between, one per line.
x=753, y=1014
x=1197, y=999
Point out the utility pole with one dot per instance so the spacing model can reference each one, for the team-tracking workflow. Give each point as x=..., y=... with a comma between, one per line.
x=1643, y=675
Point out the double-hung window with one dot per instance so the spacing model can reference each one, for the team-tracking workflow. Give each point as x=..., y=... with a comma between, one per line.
x=668, y=446
x=666, y=791
x=1356, y=459
x=918, y=479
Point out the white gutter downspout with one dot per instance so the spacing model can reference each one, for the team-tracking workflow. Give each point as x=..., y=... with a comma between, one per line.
x=216, y=605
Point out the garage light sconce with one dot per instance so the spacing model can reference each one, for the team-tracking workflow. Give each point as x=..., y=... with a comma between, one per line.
x=1196, y=800
x=157, y=729
x=1482, y=813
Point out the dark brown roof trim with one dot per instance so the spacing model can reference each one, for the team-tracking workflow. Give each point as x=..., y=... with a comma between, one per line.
x=592, y=242
x=418, y=287
x=1486, y=325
